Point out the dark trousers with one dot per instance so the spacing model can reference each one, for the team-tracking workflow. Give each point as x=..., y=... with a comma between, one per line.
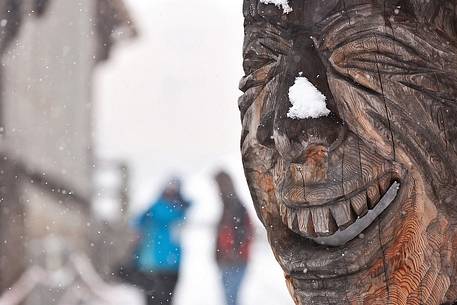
x=159, y=287
x=232, y=277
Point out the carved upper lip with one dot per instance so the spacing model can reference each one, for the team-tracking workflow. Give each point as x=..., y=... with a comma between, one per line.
x=325, y=217
x=297, y=196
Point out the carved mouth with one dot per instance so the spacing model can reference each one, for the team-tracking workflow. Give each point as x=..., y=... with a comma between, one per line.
x=341, y=237
x=335, y=223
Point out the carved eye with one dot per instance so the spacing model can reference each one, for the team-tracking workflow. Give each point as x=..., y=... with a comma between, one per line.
x=263, y=47
x=253, y=62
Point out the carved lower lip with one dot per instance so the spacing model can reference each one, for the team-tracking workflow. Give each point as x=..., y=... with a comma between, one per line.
x=339, y=223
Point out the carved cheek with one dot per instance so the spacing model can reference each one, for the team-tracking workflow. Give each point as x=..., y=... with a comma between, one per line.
x=251, y=118
x=358, y=110
x=257, y=121
x=316, y=164
x=262, y=188
x=266, y=183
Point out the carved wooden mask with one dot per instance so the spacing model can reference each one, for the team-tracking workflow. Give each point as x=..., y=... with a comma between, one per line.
x=359, y=205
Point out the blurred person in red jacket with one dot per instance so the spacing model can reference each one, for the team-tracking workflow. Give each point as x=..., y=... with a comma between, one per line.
x=234, y=236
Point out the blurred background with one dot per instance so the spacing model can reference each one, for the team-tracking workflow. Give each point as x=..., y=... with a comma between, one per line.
x=101, y=102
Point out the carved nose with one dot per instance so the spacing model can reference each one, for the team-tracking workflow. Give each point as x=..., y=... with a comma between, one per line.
x=312, y=165
x=293, y=137
x=290, y=136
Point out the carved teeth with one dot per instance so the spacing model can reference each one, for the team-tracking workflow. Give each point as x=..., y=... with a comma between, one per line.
x=384, y=183
x=292, y=222
x=342, y=214
x=323, y=222
x=373, y=195
x=359, y=204
x=343, y=236
x=305, y=224
x=283, y=213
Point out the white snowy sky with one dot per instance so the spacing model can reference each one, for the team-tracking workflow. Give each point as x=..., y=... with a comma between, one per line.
x=167, y=102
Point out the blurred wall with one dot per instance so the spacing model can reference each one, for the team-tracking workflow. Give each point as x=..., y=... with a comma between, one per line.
x=46, y=134
x=47, y=97
x=47, y=112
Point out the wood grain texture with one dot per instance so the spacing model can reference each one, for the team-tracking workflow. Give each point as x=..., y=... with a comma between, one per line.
x=389, y=72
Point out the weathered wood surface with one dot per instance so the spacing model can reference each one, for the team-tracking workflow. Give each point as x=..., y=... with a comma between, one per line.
x=389, y=72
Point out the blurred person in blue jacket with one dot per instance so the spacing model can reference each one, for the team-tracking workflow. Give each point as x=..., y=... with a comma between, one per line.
x=158, y=254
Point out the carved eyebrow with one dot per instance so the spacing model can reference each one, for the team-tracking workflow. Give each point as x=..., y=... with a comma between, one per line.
x=262, y=51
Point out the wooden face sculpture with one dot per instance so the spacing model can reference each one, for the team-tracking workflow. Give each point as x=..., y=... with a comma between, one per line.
x=359, y=204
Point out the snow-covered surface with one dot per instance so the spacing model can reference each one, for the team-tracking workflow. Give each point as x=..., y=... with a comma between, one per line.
x=307, y=101
x=284, y=4
x=85, y=286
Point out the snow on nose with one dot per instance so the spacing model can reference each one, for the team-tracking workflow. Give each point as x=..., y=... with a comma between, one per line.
x=307, y=101
x=284, y=4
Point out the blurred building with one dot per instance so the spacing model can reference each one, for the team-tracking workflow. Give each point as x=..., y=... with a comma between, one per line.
x=48, y=51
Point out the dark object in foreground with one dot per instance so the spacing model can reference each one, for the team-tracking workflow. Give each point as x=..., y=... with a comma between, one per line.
x=388, y=70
